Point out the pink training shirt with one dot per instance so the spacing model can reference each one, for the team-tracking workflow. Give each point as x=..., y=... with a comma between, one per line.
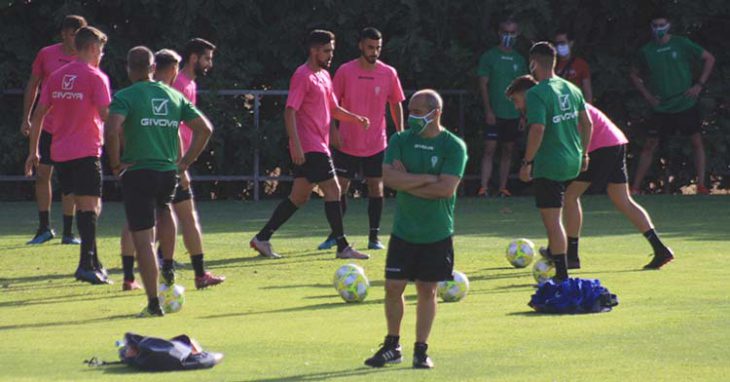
x=75, y=93
x=311, y=95
x=605, y=132
x=366, y=92
x=189, y=89
x=47, y=61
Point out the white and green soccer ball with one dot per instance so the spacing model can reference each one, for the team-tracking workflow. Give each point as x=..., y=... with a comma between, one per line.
x=520, y=252
x=543, y=270
x=454, y=290
x=351, y=283
x=172, y=297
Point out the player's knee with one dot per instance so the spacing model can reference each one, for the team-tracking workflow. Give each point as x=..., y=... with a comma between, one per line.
x=393, y=290
x=299, y=200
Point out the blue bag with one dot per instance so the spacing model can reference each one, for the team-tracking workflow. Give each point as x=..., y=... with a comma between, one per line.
x=571, y=296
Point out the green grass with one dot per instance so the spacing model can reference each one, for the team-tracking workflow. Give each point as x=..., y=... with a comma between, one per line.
x=281, y=320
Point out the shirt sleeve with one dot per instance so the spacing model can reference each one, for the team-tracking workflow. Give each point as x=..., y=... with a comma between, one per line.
x=119, y=105
x=694, y=49
x=101, y=93
x=393, y=152
x=536, y=110
x=297, y=91
x=584, y=71
x=455, y=161
x=37, y=69
x=338, y=83
x=45, y=99
x=485, y=66
x=396, y=91
x=189, y=111
x=580, y=101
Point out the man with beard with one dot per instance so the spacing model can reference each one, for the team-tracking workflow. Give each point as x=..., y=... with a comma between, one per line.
x=309, y=108
x=364, y=86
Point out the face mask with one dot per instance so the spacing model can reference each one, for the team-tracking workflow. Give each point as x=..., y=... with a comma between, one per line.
x=660, y=32
x=418, y=124
x=563, y=50
x=508, y=40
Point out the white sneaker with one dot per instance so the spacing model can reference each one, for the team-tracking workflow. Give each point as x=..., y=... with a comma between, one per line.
x=264, y=248
x=352, y=253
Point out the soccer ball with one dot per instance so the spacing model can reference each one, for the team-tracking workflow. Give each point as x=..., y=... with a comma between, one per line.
x=171, y=297
x=543, y=270
x=454, y=290
x=344, y=270
x=351, y=283
x=520, y=252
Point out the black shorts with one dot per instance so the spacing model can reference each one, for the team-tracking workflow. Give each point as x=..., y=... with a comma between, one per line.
x=504, y=131
x=687, y=122
x=44, y=148
x=606, y=165
x=144, y=192
x=549, y=193
x=348, y=165
x=182, y=194
x=317, y=168
x=430, y=262
x=81, y=177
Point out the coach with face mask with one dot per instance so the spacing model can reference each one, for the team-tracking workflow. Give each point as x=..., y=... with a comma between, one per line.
x=666, y=63
x=570, y=67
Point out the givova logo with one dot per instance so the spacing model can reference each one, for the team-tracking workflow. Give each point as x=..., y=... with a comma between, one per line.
x=159, y=106
x=68, y=81
x=564, y=100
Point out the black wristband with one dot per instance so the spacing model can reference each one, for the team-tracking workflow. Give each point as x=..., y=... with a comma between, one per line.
x=526, y=162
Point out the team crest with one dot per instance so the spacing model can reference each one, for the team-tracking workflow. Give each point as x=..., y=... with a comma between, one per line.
x=564, y=102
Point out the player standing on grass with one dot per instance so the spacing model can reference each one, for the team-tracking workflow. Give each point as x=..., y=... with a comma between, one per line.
x=78, y=95
x=48, y=60
x=557, y=142
x=607, y=153
x=364, y=86
x=424, y=164
x=145, y=117
x=309, y=108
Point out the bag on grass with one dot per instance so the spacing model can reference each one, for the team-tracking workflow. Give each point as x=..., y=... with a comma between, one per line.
x=573, y=295
x=157, y=354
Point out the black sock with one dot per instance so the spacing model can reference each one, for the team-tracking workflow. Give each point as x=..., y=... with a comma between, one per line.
x=561, y=267
x=392, y=340
x=281, y=214
x=654, y=240
x=168, y=264
x=128, y=267
x=334, y=217
x=573, y=248
x=420, y=347
x=68, y=224
x=153, y=303
x=343, y=206
x=375, y=211
x=197, y=261
x=43, y=220
x=86, y=224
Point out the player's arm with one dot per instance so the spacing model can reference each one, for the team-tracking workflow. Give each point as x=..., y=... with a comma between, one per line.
x=709, y=64
x=35, y=133
x=534, y=140
x=396, y=112
x=396, y=177
x=31, y=92
x=444, y=187
x=585, y=126
x=641, y=87
x=290, y=121
x=343, y=115
x=112, y=141
x=488, y=112
x=202, y=130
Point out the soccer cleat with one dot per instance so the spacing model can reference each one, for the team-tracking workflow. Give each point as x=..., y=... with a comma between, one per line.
x=263, y=248
x=545, y=253
x=483, y=192
x=42, y=236
x=130, y=285
x=151, y=312
x=574, y=262
x=70, y=239
x=387, y=354
x=208, y=279
x=375, y=244
x=702, y=190
x=660, y=258
x=504, y=193
x=352, y=253
x=421, y=360
x=91, y=276
x=327, y=244
x=168, y=275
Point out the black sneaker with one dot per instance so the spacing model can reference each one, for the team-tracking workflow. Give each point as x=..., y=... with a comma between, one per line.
x=574, y=262
x=168, y=275
x=421, y=360
x=660, y=258
x=387, y=354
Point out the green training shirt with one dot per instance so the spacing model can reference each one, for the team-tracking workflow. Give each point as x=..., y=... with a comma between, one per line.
x=152, y=112
x=419, y=220
x=501, y=68
x=555, y=103
x=669, y=67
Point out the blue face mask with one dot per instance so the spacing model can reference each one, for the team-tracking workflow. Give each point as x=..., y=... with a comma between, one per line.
x=508, y=40
x=418, y=124
x=660, y=32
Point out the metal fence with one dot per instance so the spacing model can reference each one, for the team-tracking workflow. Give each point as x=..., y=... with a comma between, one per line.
x=257, y=95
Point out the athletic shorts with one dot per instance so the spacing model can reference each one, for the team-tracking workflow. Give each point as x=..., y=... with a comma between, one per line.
x=549, y=193
x=430, y=262
x=182, y=194
x=504, y=131
x=317, y=168
x=348, y=165
x=144, y=192
x=687, y=122
x=44, y=148
x=606, y=165
x=81, y=177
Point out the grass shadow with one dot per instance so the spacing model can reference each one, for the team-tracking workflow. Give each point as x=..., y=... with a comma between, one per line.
x=323, y=306
x=321, y=376
x=65, y=323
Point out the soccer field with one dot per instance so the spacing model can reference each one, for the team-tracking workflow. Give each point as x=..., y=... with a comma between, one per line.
x=282, y=320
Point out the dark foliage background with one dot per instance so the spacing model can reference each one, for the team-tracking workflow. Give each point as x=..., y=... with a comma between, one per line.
x=433, y=43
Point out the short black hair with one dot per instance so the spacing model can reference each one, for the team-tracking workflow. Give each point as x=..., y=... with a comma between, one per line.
x=196, y=46
x=88, y=35
x=140, y=59
x=566, y=32
x=165, y=58
x=74, y=22
x=543, y=53
x=659, y=13
x=319, y=37
x=520, y=84
x=370, y=33
x=506, y=20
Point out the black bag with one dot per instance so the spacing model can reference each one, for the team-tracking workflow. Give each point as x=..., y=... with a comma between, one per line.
x=157, y=354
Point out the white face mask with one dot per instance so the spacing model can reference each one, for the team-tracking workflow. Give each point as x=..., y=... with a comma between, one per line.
x=563, y=50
